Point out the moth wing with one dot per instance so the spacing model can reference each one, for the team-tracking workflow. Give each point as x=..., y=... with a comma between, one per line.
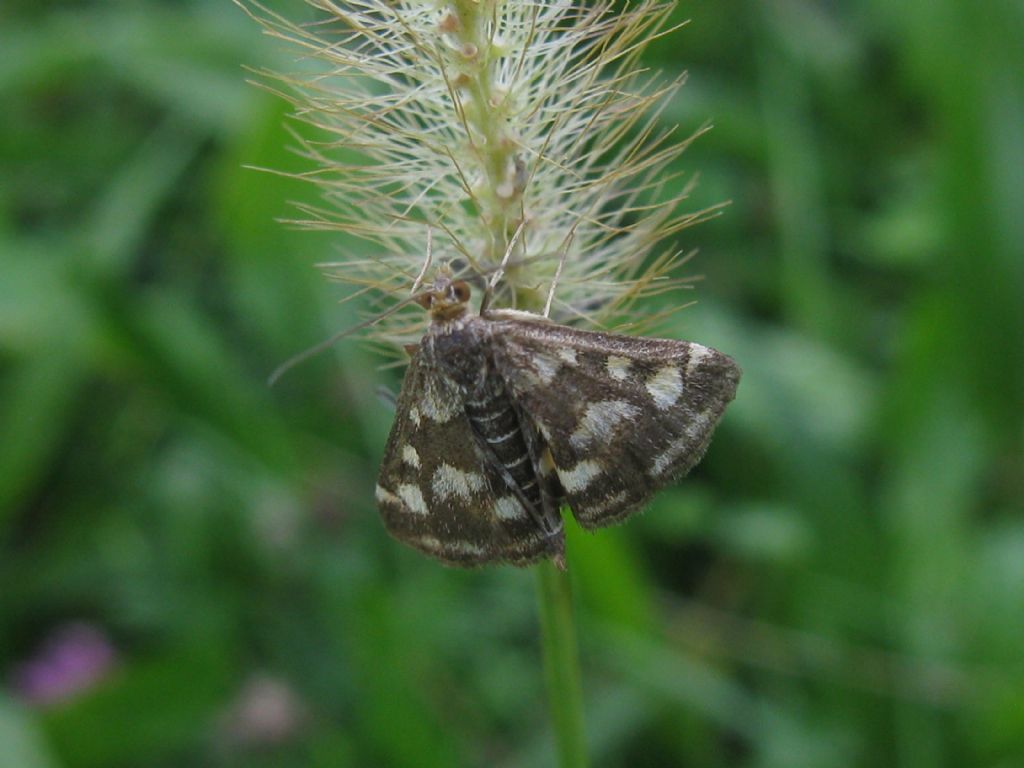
x=622, y=416
x=438, y=493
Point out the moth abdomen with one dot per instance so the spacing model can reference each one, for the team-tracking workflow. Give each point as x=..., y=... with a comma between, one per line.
x=497, y=426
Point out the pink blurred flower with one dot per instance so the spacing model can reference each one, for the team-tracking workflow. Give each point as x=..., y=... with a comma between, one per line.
x=73, y=659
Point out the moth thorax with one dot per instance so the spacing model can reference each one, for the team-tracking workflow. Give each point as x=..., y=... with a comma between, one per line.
x=460, y=348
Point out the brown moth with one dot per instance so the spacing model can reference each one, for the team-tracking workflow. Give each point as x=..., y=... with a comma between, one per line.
x=505, y=416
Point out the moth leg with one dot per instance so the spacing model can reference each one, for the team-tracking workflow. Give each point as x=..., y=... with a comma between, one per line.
x=551, y=493
x=544, y=469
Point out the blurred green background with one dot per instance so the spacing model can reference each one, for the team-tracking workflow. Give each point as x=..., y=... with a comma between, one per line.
x=192, y=571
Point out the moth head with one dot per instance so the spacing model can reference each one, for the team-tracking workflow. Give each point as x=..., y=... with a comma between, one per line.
x=446, y=299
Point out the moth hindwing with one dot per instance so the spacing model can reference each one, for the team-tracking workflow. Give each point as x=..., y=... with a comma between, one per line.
x=504, y=417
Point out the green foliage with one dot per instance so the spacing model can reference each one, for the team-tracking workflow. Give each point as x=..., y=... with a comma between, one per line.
x=840, y=583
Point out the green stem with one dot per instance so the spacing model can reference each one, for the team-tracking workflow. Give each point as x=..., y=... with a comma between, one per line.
x=561, y=664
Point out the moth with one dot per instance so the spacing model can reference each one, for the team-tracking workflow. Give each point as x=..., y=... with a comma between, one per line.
x=505, y=416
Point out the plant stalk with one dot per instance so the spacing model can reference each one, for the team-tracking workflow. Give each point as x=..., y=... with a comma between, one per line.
x=561, y=664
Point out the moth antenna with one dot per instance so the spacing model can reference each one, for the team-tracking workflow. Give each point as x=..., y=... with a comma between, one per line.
x=558, y=270
x=327, y=343
x=426, y=264
x=500, y=271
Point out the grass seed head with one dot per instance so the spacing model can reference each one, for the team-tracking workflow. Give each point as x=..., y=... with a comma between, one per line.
x=489, y=123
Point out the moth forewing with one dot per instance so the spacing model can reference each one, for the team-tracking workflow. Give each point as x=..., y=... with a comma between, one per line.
x=439, y=492
x=622, y=416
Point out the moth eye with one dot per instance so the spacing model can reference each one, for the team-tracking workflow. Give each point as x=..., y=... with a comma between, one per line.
x=461, y=291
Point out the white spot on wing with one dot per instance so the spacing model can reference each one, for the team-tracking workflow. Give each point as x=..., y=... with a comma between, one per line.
x=600, y=422
x=413, y=499
x=546, y=367
x=618, y=367
x=509, y=508
x=414, y=415
x=531, y=376
x=609, y=504
x=448, y=547
x=665, y=386
x=410, y=457
x=580, y=476
x=437, y=403
x=449, y=482
x=697, y=356
x=568, y=355
x=382, y=495
x=683, y=444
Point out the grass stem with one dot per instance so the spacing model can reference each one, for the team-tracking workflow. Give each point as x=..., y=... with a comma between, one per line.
x=561, y=664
